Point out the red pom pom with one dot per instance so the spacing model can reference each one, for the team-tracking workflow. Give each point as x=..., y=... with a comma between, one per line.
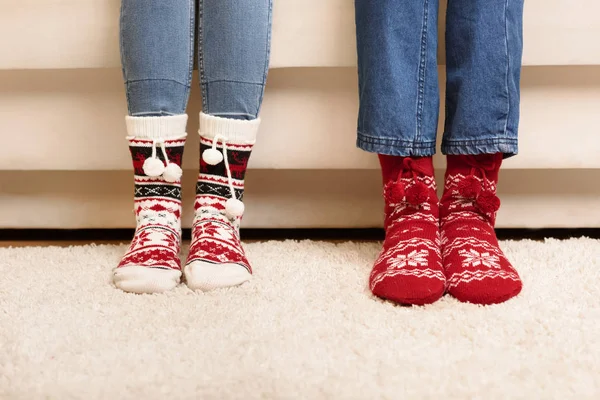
x=394, y=192
x=488, y=203
x=469, y=187
x=417, y=193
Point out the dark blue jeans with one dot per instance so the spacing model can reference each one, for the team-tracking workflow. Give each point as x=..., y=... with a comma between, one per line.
x=398, y=82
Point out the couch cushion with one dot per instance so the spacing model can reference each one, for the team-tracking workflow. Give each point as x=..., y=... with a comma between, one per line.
x=39, y=34
x=74, y=120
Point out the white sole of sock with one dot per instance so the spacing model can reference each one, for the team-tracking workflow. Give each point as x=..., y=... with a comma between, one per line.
x=140, y=280
x=206, y=276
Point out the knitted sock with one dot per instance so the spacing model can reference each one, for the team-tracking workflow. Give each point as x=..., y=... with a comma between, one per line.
x=476, y=269
x=409, y=268
x=151, y=264
x=216, y=257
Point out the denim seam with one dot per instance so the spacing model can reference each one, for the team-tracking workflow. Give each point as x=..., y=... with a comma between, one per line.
x=252, y=116
x=509, y=147
x=479, y=141
x=153, y=114
x=201, y=74
x=398, y=143
x=192, y=12
x=396, y=148
x=158, y=79
x=507, y=66
x=122, y=53
x=394, y=142
x=422, y=72
x=267, y=56
x=232, y=81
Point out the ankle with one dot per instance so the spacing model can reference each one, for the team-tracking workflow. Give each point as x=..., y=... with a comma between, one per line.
x=392, y=166
x=470, y=185
x=466, y=163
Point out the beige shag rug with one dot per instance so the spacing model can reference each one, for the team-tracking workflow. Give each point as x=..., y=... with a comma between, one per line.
x=306, y=327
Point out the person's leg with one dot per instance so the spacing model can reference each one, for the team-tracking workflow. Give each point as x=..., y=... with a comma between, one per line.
x=484, y=43
x=399, y=106
x=157, y=57
x=397, y=76
x=234, y=44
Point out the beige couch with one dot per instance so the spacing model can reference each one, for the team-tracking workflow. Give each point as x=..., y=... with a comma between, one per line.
x=64, y=163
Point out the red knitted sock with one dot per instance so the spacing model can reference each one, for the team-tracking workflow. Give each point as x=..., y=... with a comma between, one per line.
x=476, y=269
x=409, y=268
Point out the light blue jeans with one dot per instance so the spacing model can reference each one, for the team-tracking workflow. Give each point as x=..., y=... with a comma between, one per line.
x=157, y=53
x=398, y=79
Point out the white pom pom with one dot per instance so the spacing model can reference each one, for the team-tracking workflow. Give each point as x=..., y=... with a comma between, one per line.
x=234, y=208
x=172, y=173
x=212, y=156
x=153, y=167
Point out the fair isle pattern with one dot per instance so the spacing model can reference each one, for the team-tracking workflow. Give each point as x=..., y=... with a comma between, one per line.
x=475, y=259
x=217, y=241
x=410, y=258
x=417, y=273
x=477, y=270
x=467, y=277
x=460, y=203
x=452, y=181
x=157, y=239
x=215, y=236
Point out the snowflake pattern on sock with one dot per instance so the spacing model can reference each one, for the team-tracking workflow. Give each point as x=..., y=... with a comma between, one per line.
x=215, y=236
x=476, y=269
x=157, y=239
x=408, y=270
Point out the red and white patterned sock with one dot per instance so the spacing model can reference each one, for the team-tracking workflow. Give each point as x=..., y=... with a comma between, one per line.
x=409, y=267
x=216, y=257
x=476, y=269
x=151, y=264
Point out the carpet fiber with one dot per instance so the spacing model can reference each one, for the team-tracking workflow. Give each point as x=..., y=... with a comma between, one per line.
x=304, y=327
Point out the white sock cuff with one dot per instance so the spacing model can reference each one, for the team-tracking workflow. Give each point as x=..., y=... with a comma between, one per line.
x=167, y=127
x=235, y=131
